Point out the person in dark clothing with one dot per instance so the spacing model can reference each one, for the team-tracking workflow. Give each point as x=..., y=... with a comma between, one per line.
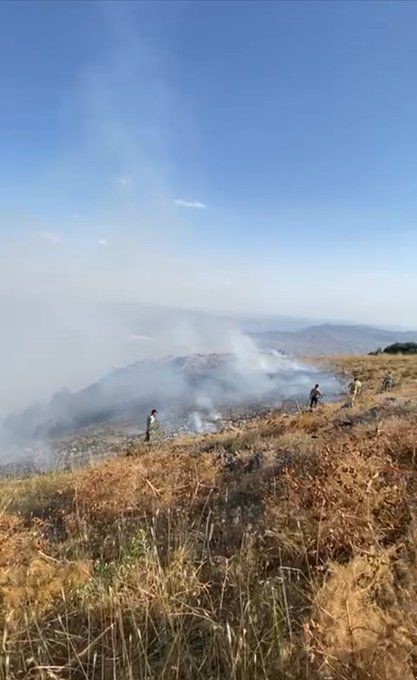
x=315, y=395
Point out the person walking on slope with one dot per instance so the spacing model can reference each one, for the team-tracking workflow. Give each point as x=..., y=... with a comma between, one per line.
x=315, y=395
x=388, y=382
x=151, y=425
x=354, y=389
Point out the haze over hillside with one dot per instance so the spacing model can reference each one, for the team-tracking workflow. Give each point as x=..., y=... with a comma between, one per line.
x=48, y=344
x=213, y=363
x=193, y=392
x=332, y=339
x=63, y=343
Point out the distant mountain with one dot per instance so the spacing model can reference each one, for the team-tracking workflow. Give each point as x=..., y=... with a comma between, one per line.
x=331, y=339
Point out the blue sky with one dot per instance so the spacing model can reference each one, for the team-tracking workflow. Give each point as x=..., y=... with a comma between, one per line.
x=233, y=156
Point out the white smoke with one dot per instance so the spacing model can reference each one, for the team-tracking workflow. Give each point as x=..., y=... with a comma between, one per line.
x=80, y=288
x=201, y=384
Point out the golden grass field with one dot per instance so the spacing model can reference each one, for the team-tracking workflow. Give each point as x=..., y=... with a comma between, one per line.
x=169, y=564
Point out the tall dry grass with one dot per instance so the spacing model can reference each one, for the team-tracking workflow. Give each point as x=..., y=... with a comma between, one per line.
x=189, y=561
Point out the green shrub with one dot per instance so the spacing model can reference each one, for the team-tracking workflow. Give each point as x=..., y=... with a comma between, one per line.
x=401, y=348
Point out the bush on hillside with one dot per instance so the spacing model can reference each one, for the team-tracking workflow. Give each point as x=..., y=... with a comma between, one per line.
x=401, y=348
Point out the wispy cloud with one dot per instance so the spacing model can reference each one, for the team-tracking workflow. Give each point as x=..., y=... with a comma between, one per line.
x=124, y=181
x=190, y=204
x=50, y=237
x=141, y=337
x=103, y=242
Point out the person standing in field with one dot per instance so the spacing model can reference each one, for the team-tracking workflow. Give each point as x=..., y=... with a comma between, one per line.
x=388, y=382
x=151, y=425
x=315, y=395
x=354, y=390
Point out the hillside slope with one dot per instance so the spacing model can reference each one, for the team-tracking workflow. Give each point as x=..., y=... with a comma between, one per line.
x=206, y=384
x=283, y=549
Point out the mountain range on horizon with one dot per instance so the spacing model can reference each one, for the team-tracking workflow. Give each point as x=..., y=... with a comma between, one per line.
x=330, y=339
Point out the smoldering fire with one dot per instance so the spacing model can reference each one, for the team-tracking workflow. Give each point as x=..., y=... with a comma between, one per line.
x=191, y=392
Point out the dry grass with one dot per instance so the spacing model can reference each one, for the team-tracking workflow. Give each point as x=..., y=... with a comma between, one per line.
x=188, y=561
x=372, y=369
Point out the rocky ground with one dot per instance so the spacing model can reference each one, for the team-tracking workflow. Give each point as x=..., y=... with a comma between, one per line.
x=122, y=437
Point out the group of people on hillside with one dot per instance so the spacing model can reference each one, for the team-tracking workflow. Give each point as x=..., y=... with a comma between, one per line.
x=354, y=389
x=316, y=394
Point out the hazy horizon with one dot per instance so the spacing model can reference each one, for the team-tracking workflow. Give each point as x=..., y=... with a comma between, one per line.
x=238, y=158
x=70, y=346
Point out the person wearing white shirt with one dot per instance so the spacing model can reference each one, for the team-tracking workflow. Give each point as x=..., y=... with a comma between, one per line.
x=151, y=423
